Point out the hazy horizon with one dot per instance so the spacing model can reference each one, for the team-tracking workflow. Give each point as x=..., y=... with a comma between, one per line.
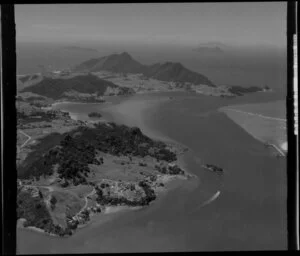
x=173, y=24
x=252, y=37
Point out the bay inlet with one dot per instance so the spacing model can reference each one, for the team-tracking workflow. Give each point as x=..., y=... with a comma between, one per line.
x=248, y=213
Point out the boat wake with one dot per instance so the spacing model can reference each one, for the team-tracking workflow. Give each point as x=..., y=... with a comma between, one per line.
x=210, y=200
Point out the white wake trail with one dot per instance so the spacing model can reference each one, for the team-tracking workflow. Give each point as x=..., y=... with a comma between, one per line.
x=213, y=198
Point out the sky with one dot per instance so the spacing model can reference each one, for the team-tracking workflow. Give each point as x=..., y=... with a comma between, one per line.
x=242, y=24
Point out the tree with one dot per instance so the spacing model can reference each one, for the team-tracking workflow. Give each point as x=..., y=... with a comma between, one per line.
x=53, y=202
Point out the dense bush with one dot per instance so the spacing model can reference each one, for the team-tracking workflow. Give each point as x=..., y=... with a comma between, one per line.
x=40, y=161
x=75, y=153
x=239, y=91
x=56, y=87
x=145, y=200
x=53, y=202
x=34, y=210
x=94, y=114
x=37, y=115
x=175, y=170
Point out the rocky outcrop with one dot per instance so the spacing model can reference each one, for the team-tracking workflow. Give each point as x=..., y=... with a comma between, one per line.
x=213, y=168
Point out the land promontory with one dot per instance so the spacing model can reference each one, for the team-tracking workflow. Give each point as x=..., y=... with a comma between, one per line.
x=71, y=170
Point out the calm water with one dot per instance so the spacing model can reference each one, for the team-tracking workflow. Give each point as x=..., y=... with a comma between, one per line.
x=249, y=214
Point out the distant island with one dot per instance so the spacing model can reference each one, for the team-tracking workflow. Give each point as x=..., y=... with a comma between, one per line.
x=240, y=91
x=208, y=50
x=211, y=48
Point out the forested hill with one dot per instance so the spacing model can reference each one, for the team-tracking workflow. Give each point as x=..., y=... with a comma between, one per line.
x=124, y=63
x=56, y=88
x=170, y=71
x=120, y=63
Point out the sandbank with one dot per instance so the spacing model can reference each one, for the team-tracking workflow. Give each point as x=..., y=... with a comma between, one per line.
x=270, y=130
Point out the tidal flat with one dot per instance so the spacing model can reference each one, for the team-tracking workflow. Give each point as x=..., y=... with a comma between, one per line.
x=264, y=121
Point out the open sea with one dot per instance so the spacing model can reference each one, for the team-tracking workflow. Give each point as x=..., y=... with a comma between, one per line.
x=243, y=209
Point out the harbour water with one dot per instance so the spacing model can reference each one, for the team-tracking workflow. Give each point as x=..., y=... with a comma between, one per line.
x=243, y=209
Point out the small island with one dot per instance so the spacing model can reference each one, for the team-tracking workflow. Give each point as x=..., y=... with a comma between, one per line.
x=94, y=114
x=213, y=168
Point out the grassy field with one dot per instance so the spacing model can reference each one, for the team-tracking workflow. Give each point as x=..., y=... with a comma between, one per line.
x=67, y=203
x=121, y=168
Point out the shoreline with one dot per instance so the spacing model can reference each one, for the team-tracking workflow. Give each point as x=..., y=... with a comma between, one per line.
x=57, y=103
x=279, y=150
x=109, y=211
x=20, y=225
